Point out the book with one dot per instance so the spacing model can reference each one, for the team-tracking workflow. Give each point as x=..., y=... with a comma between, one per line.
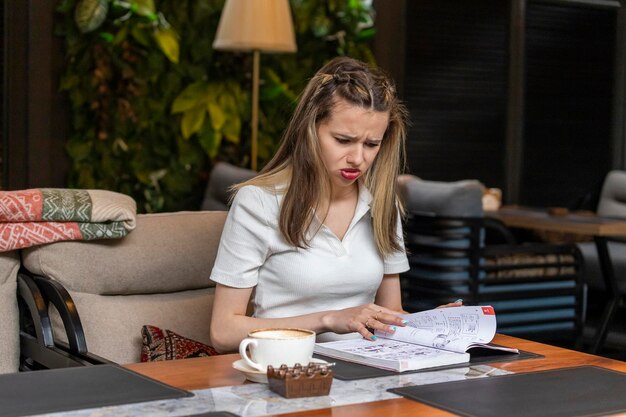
x=432, y=338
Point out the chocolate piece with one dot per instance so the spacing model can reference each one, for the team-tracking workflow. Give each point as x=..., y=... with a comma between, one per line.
x=299, y=381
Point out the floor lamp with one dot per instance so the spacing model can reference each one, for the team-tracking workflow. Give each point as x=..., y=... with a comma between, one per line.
x=257, y=26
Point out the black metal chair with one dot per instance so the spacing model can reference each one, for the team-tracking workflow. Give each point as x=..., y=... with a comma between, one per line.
x=536, y=289
x=606, y=251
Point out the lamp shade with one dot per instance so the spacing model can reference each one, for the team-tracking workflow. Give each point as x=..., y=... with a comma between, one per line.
x=263, y=25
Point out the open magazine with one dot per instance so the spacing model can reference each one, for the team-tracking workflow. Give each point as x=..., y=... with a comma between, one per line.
x=431, y=338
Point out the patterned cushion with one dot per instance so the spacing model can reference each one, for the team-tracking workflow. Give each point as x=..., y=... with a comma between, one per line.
x=163, y=345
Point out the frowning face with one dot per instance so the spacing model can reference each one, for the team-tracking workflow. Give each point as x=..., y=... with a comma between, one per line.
x=350, y=139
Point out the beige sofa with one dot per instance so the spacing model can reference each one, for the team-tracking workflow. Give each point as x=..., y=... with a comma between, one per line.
x=9, y=326
x=158, y=275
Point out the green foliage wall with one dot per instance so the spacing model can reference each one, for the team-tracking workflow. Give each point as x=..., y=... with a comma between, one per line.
x=153, y=105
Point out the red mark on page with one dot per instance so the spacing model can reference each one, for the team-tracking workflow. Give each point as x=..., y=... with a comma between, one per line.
x=488, y=311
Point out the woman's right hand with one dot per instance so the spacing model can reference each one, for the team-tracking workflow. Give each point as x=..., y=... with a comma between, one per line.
x=363, y=319
x=457, y=303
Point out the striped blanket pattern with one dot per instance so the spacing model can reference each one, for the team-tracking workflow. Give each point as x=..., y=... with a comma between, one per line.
x=45, y=215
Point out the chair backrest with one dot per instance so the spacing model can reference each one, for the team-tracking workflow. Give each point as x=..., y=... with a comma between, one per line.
x=446, y=249
x=460, y=198
x=613, y=196
x=223, y=176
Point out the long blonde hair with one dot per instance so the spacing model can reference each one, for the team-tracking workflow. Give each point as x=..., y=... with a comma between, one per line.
x=361, y=85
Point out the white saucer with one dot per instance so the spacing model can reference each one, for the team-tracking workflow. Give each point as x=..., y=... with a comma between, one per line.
x=259, y=376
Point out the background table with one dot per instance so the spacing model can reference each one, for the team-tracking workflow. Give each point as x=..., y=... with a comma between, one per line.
x=600, y=228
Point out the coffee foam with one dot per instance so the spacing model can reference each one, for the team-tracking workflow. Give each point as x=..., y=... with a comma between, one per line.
x=280, y=334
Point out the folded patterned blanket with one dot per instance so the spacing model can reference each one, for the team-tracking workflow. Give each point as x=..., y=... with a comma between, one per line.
x=44, y=215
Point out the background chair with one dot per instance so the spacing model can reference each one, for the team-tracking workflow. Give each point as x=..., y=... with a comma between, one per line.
x=223, y=176
x=536, y=289
x=612, y=203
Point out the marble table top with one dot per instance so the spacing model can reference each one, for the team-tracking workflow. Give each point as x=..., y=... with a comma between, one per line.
x=251, y=400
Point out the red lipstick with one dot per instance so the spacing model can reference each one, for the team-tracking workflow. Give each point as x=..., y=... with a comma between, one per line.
x=350, y=174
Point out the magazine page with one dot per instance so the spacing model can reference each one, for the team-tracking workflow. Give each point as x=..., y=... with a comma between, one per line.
x=389, y=354
x=453, y=328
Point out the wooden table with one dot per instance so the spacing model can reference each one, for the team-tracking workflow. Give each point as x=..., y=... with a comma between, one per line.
x=601, y=228
x=217, y=371
x=577, y=223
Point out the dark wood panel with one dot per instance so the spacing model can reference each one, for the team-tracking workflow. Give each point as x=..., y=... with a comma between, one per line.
x=455, y=88
x=448, y=161
x=14, y=99
x=570, y=52
x=34, y=113
x=2, y=94
x=47, y=108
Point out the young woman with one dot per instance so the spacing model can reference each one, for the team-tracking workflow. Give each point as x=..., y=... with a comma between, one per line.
x=316, y=238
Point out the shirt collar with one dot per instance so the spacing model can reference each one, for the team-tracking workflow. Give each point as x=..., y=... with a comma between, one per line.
x=365, y=197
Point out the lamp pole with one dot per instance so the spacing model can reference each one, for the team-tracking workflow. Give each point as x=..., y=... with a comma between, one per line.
x=257, y=26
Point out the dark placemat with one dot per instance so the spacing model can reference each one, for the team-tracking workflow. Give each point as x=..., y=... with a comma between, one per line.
x=347, y=371
x=568, y=392
x=66, y=389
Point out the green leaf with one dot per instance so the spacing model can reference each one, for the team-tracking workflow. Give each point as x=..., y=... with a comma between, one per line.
x=167, y=39
x=143, y=176
x=171, y=83
x=210, y=141
x=354, y=4
x=145, y=7
x=192, y=121
x=274, y=87
x=218, y=117
x=120, y=36
x=232, y=130
x=69, y=81
x=190, y=153
x=79, y=151
x=140, y=35
x=85, y=178
x=367, y=34
x=90, y=14
x=106, y=36
x=228, y=103
x=194, y=95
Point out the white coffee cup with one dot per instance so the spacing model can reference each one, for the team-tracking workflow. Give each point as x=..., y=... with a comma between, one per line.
x=276, y=347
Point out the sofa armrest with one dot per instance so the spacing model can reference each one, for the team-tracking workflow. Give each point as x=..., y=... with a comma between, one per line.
x=38, y=348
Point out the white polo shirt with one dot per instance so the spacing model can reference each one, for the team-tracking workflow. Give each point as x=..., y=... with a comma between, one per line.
x=331, y=274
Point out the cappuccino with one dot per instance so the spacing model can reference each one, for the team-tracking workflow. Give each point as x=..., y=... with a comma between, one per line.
x=276, y=347
x=279, y=333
